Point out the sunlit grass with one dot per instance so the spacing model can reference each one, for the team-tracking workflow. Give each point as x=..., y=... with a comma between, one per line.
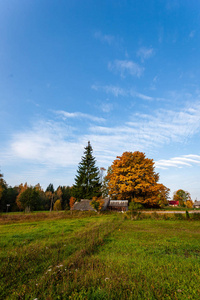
x=100, y=257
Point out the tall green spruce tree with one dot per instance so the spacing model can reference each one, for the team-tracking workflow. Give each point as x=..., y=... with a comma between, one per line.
x=87, y=181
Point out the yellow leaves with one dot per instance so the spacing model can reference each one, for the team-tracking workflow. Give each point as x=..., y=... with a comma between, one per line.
x=97, y=203
x=57, y=205
x=132, y=175
x=189, y=204
x=21, y=189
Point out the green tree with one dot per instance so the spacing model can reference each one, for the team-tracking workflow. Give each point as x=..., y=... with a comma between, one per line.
x=87, y=181
x=50, y=188
x=133, y=208
x=50, y=197
x=66, y=194
x=3, y=188
x=9, y=198
x=29, y=200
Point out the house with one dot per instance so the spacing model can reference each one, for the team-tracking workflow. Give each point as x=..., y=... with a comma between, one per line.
x=83, y=205
x=118, y=205
x=196, y=204
x=114, y=205
x=173, y=203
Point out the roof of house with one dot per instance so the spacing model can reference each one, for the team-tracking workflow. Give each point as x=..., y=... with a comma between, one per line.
x=84, y=204
x=173, y=202
x=118, y=203
x=196, y=203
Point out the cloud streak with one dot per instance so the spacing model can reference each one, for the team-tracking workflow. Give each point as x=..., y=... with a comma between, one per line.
x=147, y=132
x=48, y=143
x=104, y=38
x=145, y=53
x=126, y=67
x=178, y=162
x=78, y=115
x=53, y=144
x=117, y=91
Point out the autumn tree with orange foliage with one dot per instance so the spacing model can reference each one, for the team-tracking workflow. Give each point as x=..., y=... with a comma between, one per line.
x=21, y=188
x=132, y=177
x=72, y=200
x=183, y=197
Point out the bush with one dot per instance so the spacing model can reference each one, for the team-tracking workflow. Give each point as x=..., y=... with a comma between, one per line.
x=57, y=205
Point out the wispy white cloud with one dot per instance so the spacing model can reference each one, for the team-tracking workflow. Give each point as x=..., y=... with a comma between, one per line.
x=141, y=96
x=78, y=115
x=168, y=125
x=118, y=91
x=47, y=142
x=145, y=53
x=150, y=131
x=110, y=89
x=104, y=38
x=53, y=144
x=125, y=67
x=178, y=162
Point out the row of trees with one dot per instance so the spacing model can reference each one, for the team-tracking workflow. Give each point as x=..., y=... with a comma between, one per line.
x=131, y=176
x=31, y=198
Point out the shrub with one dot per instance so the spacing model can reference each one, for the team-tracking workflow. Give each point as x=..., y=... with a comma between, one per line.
x=57, y=205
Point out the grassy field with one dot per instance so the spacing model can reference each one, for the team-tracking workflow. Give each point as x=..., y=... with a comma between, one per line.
x=89, y=256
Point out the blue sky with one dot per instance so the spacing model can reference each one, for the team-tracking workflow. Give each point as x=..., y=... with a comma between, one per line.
x=123, y=74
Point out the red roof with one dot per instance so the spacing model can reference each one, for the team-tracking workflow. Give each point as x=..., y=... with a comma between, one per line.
x=173, y=202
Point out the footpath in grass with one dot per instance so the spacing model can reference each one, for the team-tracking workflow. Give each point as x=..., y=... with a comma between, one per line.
x=100, y=257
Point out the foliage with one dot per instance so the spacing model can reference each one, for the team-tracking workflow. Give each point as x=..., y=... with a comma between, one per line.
x=132, y=177
x=72, y=200
x=49, y=200
x=57, y=205
x=29, y=199
x=183, y=197
x=9, y=197
x=50, y=188
x=59, y=193
x=97, y=203
x=21, y=188
x=134, y=206
x=3, y=187
x=189, y=203
x=87, y=181
x=66, y=194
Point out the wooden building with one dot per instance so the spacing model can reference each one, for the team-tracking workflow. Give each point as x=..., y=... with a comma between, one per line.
x=118, y=205
x=114, y=205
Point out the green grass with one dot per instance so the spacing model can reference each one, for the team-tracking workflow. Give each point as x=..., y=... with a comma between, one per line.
x=88, y=256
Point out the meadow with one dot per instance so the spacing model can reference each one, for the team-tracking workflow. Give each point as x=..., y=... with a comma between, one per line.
x=90, y=256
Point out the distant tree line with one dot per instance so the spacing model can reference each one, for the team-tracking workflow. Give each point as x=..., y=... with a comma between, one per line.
x=131, y=177
x=25, y=197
